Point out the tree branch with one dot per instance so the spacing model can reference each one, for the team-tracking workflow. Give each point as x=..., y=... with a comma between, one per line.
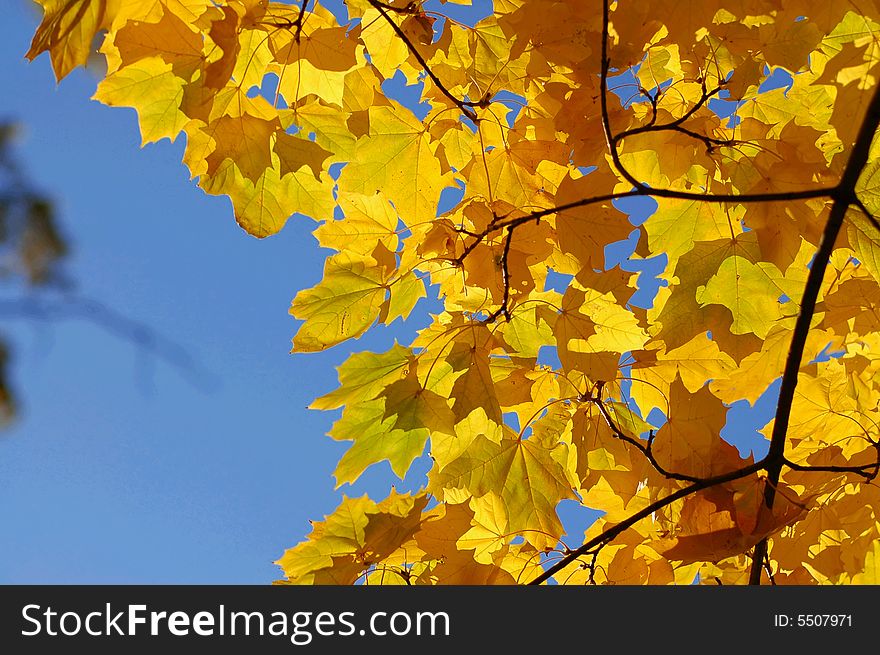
x=503, y=310
x=867, y=471
x=298, y=23
x=466, y=106
x=611, y=142
x=646, y=450
x=618, y=528
x=843, y=195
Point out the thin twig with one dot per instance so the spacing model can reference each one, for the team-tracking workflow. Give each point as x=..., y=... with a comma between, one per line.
x=466, y=106
x=646, y=450
x=503, y=310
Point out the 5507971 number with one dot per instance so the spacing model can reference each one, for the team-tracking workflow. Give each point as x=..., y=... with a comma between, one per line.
x=813, y=620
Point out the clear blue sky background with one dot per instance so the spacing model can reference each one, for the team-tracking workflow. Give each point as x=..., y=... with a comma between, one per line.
x=120, y=470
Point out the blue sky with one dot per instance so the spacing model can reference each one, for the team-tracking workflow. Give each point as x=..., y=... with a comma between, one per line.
x=121, y=469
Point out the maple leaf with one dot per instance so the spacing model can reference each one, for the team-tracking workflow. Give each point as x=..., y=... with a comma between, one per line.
x=396, y=158
x=343, y=305
x=354, y=537
x=67, y=32
x=522, y=473
x=150, y=87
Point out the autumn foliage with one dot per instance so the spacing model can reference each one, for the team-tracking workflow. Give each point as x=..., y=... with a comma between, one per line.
x=525, y=391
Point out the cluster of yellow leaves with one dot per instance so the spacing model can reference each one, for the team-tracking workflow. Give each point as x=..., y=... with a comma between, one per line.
x=271, y=96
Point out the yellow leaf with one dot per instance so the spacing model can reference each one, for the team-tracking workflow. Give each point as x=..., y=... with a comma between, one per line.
x=263, y=206
x=295, y=153
x=67, y=32
x=585, y=231
x=170, y=38
x=375, y=439
x=302, y=78
x=413, y=407
x=525, y=333
x=253, y=58
x=329, y=125
x=689, y=442
x=342, y=306
x=404, y=293
x=368, y=221
x=395, y=427
x=752, y=292
x=397, y=159
x=243, y=140
x=660, y=65
x=871, y=573
x=438, y=537
x=488, y=532
x=364, y=375
x=677, y=224
x=524, y=474
x=616, y=329
x=474, y=388
x=696, y=363
x=341, y=533
x=862, y=233
x=355, y=536
x=725, y=521
x=150, y=87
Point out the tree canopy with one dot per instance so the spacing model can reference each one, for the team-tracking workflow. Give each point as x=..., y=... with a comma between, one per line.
x=544, y=378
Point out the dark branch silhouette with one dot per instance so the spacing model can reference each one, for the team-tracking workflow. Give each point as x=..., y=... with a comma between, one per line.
x=610, y=533
x=466, y=106
x=867, y=471
x=646, y=449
